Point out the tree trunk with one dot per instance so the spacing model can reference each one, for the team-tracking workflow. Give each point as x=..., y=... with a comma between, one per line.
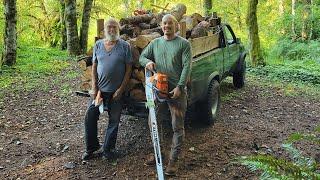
x=252, y=23
x=85, y=25
x=239, y=15
x=281, y=13
x=72, y=29
x=293, y=14
x=207, y=7
x=10, y=35
x=311, y=34
x=63, y=25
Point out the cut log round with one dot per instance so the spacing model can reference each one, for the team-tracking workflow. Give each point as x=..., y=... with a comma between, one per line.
x=178, y=11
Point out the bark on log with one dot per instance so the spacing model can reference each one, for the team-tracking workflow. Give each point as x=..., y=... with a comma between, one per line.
x=130, y=30
x=149, y=31
x=200, y=30
x=135, y=55
x=146, y=18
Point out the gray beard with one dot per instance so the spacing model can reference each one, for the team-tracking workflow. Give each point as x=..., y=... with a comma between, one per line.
x=112, y=37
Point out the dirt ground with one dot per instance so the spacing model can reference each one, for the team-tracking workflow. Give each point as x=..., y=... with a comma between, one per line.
x=42, y=135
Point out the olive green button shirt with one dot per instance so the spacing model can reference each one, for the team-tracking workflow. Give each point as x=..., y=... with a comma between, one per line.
x=172, y=57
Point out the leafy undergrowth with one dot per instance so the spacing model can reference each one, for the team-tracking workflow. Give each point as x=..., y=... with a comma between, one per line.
x=34, y=64
x=296, y=167
x=294, y=77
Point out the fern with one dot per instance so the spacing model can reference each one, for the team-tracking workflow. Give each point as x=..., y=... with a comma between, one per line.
x=298, y=167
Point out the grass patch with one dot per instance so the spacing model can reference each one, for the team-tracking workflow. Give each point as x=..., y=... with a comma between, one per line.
x=34, y=64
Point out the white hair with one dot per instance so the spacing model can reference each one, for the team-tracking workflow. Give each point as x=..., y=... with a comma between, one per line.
x=111, y=37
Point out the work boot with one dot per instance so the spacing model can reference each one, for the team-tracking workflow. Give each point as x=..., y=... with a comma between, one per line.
x=87, y=155
x=171, y=168
x=151, y=161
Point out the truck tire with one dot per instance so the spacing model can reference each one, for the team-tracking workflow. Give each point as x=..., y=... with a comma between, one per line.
x=211, y=107
x=239, y=75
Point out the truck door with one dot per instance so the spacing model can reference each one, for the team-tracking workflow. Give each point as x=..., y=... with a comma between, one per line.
x=232, y=48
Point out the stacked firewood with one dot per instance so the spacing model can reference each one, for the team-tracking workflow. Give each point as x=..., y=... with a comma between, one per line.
x=140, y=30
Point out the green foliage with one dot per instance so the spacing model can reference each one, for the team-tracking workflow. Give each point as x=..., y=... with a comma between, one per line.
x=287, y=49
x=297, y=167
x=306, y=72
x=33, y=65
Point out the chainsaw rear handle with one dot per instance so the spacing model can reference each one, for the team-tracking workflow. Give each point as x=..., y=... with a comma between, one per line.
x=149, y=73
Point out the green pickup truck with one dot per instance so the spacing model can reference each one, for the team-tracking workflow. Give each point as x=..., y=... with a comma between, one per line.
x=208, y=70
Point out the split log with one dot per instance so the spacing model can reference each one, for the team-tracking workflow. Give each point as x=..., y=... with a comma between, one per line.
x=82, y=65
x=86, y=75
x=145, y=18
x=190, y=22
x=137, y=94
x=200, y=30
x=143, y=40
x=178, y=11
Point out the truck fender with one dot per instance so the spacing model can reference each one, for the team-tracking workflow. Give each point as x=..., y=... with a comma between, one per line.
x=242, y=57
x=214, y=75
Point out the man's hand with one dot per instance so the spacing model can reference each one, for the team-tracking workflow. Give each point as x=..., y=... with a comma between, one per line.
x=93, y=93
x=176, y=92
x=117, y=95
x=151, y=66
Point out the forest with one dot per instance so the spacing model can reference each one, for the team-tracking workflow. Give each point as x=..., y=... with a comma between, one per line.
x=269, y=129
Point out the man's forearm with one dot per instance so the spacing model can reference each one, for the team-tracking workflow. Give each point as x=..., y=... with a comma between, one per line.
x=94, y=77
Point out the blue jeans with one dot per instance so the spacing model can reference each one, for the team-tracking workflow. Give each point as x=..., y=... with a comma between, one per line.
x=91, y=125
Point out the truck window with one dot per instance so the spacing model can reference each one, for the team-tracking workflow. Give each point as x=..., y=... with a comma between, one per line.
x=231, y=38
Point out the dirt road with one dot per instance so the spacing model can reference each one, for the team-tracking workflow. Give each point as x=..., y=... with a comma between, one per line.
x=42, y=135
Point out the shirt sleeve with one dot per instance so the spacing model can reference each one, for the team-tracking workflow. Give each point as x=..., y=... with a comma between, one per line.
x=147, y=55
x=186, y=65
x=94, y=56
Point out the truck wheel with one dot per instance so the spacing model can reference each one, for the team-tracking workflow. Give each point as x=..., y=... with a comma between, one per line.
x=213, y=103
x=239, y=75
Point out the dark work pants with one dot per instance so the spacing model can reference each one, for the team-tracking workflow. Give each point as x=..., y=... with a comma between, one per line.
x=91, y=126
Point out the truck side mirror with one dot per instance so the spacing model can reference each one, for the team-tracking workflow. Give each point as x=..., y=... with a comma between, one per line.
x=238, y=40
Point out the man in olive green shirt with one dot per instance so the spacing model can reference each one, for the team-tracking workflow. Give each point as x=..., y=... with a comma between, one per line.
x=171, y=55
